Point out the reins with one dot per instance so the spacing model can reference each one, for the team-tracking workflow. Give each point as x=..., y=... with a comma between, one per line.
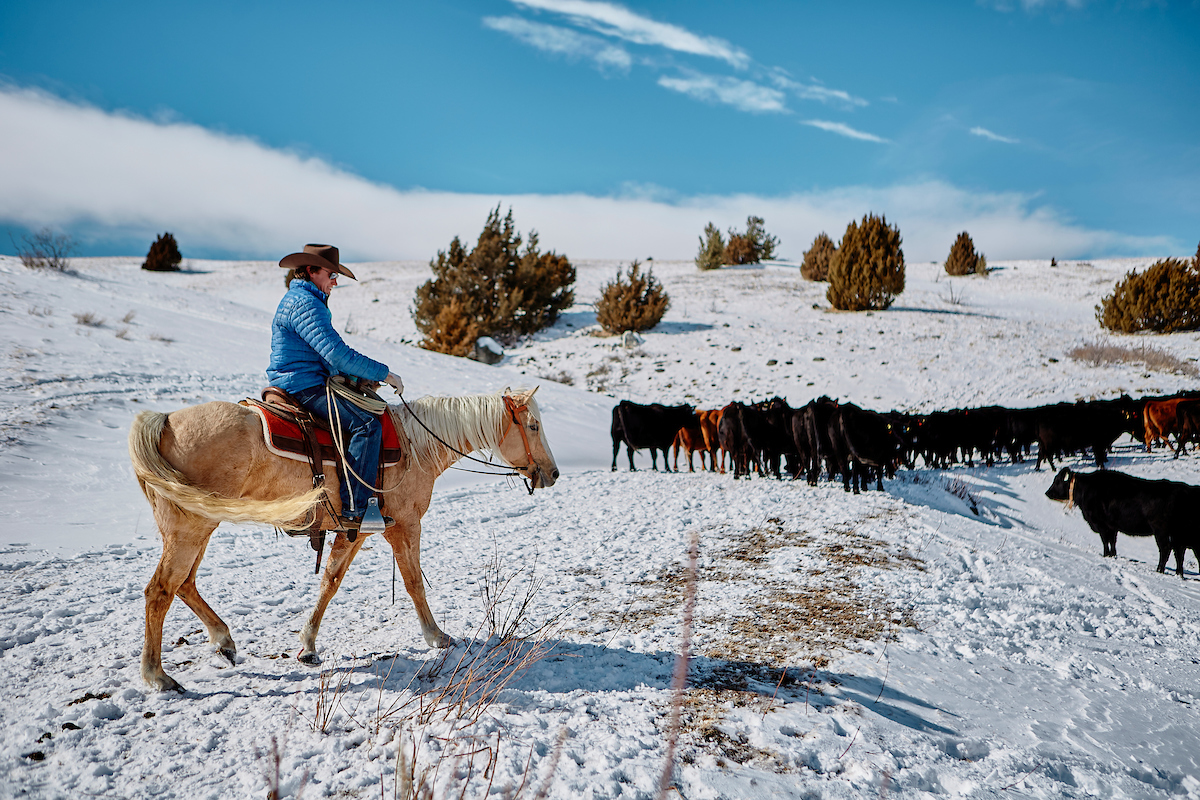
x=339, y=441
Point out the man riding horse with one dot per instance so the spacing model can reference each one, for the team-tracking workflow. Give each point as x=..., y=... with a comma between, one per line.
x=306, y=350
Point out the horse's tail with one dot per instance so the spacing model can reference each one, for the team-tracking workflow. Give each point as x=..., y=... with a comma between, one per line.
x=156, y=476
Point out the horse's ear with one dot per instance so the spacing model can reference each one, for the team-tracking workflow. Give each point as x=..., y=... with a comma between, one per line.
x=532, y=392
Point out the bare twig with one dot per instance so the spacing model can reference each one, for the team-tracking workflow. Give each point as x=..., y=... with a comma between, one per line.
x=679, y=680
x=774, y=694
x=544, y=789
x=852, y=740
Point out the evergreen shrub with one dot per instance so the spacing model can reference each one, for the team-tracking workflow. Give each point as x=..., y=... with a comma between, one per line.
x=867, y=270
x=497, y=289
x=752, y=246
x=164, y=255
x=815, y=266
x=636, y=302
x=712, y=249
x=1163, y=299
x=963, y=260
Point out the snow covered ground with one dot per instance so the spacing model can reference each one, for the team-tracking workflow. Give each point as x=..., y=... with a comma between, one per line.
x=888, y=644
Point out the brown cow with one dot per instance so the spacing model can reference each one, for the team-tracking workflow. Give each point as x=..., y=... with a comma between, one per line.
x=1162, y=419
x=1188, y=426
x=709, y=422
x=690, y=439
x=702, y=438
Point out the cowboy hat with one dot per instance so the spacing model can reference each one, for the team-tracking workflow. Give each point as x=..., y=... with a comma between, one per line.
x=316, y=255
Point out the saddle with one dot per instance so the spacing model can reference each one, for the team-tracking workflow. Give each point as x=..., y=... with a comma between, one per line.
x=291, y=431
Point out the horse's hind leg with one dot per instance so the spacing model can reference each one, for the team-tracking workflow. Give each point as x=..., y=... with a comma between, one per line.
x=340, y=556
x=184, y=539
x=218, y=631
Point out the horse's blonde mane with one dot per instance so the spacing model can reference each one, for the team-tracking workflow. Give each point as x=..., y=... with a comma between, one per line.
x=472, y=422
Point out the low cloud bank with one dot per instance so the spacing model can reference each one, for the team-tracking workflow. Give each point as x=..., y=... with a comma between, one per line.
x=112, y=176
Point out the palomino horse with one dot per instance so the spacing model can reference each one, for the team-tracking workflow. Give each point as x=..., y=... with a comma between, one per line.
x=206, y=464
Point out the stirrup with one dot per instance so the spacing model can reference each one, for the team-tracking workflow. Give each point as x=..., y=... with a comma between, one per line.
x=372, y=522
x=356, y=526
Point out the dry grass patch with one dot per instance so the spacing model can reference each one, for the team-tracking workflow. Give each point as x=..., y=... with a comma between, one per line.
x=790, y=600
x=1098, y=354
x=661, y=599
x=702, y=730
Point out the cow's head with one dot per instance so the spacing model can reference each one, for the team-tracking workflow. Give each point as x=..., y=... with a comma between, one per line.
x=1060, y=490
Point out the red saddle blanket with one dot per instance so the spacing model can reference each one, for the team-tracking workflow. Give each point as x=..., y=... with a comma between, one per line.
x=284, y=438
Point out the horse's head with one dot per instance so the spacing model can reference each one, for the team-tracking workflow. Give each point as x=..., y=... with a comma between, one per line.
x=523, y=444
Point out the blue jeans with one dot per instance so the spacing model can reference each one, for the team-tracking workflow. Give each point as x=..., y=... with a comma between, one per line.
x=362, y=451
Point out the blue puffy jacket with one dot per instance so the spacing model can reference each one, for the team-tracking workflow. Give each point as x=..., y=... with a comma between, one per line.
x=305, y=348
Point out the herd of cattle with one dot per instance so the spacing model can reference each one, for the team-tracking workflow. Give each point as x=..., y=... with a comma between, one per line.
x=861, y=446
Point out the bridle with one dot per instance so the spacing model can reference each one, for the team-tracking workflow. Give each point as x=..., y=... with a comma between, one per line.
x=512, y=408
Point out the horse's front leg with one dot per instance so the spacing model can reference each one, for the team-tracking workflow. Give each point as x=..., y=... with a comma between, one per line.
x=405, y=540
x=340, y=556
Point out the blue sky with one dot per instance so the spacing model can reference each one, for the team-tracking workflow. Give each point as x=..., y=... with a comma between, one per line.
x=615, y=129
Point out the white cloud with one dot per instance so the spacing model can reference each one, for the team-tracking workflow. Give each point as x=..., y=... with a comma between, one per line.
x=742, y=95
x=815, y=91
x=995, y=137
x=1034, y=6
x=615, y=20
x=563, y=41
x=842, y=129
x=103, y=175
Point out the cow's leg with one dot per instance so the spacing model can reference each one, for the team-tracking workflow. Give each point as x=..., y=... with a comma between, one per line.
x=629, y=450
x=218, y=631
x=616, y=449
x=1108, y=540
x=184, y=539
x=1164, y=552
x=340, y=555
x=406, y=546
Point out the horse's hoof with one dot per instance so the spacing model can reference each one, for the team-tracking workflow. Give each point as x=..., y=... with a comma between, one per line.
x=165, y=683
x=229, y=653
x=440, y=640
x=312, y=659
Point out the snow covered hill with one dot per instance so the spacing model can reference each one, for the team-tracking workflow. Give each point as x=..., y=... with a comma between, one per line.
x=887, y=644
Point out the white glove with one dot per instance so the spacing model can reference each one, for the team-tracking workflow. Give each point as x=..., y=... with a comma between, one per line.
x=393, y=380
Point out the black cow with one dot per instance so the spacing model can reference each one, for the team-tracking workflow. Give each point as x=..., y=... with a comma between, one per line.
x=768, y=435
x=1114, y=502
x=817, y=417
x=870, y=442
x=1070, y=427
x=653, y=426
x=731, y=436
